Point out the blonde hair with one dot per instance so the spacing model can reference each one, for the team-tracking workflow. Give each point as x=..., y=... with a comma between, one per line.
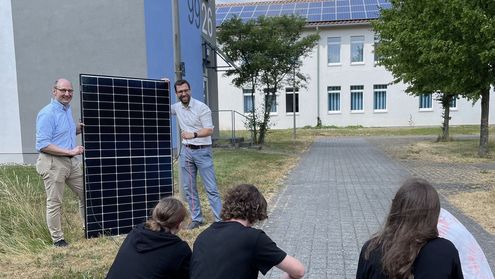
x=167, y=215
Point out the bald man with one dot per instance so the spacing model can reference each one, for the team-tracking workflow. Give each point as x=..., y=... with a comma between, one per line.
x=57, y=163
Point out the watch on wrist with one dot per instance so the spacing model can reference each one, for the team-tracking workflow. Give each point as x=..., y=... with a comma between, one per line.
x=195, y=135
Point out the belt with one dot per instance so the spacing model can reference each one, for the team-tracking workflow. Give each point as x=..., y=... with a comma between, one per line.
x=192, y=146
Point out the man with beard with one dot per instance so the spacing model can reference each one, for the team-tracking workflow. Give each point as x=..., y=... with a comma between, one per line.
x=194, y=118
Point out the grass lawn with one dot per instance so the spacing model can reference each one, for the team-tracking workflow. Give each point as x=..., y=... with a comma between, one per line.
x=25, y=245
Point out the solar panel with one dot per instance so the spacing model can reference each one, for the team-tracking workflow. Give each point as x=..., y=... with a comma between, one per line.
x=127, y=157
x=313, y=11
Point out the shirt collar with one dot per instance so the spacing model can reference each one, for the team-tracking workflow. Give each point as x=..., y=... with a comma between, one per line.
x=189, y=106
x=59, y=105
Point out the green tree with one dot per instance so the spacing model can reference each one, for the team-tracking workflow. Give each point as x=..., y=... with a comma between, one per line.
x=441, y=46
x=266, y=51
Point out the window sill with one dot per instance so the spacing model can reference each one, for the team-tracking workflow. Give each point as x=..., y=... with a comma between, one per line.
x=425, y=109
x=334, y=112
x=334, y=64
x=357, y=111
x=380, y=111
x=357, y=63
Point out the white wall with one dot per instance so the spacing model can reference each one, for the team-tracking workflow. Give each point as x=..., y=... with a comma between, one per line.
x=402, y=109
x=10, y=125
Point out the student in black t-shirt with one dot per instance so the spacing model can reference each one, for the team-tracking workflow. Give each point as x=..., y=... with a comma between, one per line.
x=152, y=250
x=232, y=249
x=408, y=246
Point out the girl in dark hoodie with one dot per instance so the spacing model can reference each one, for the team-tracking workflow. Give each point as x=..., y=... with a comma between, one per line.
x=151, y=249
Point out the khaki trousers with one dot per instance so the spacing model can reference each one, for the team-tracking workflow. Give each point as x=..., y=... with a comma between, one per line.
x=56, y=171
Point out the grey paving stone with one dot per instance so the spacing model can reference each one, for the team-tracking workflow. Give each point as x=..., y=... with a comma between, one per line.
x=334, y=200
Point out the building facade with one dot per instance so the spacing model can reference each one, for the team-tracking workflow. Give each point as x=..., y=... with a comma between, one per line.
x=346, y=87
x=43, y=41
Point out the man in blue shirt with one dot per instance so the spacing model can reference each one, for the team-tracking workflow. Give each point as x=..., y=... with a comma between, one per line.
x=57, y=163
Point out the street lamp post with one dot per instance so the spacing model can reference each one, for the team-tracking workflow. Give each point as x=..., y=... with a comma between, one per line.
x=294, y=103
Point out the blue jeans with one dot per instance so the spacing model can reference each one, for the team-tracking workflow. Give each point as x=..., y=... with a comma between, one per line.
x=191, y=161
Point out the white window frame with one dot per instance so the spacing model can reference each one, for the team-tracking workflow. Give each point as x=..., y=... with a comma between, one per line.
x=375, y=45
x=453, y=103
x=246, y=92
x=275, y=105
x=288, y=91
x=357, y=45
x=379, y=89
x=357, y=90
x=334, y=90
x=332, y=42
x=425, y=100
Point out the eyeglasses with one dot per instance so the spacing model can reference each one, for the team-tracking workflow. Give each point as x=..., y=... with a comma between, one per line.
x=183, y=91
x=65, y=90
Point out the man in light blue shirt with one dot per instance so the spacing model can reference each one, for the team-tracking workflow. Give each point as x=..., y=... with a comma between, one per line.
x=57, y=163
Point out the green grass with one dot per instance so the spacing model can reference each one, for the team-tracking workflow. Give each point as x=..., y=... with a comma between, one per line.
x=22, y=211
x=25, y=244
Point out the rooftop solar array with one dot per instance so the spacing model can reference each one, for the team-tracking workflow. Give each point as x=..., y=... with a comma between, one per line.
x=127, y=157
x=313, y=11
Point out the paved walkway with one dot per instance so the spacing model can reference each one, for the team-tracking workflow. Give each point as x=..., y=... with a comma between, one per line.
x=335, y=199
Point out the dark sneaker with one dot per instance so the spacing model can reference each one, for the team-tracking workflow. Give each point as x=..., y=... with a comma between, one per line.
x=194, y=225
x=61, y=243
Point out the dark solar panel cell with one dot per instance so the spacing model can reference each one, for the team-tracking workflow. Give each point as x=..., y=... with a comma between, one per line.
x=105, y=81
x=358, y=15
x=286, y=12
x=329, y=4
x=315, y=5
x=89, y=80
x=134, y=83
x=302, y=5
x=314, y=17
x=275, y=7
x=235, y=9
x=123, y=118
x=262, y=7
x=357, y=8
x=343, y=16
x=120, y=82
x=314, y=11
x=247, y=14
x=272, y=13
x=222, y=9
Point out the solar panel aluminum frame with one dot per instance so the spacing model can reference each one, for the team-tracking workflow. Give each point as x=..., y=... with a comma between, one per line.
x=128, y=150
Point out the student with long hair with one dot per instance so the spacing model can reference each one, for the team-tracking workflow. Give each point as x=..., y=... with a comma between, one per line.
x=152, y=249
x=408, y=246
x=233, y=248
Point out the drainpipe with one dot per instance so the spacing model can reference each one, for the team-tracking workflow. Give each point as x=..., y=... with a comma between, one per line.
x=317, y=80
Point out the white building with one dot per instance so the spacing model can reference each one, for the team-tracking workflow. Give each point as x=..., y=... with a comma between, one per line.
x=346, y=87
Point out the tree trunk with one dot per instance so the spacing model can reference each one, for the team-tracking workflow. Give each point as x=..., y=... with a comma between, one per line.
x=485, y=107
x=253, y=115
x=446, y=117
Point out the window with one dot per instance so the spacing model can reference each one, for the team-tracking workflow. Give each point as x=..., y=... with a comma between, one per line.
x=248, y=100
x=425, y=101
x=453, y=102
x=272, y=99
x=333, y=98
x=357, y=97
x=289, y=99
x=380, y=97
x=357, y=46
x=377, y=42
x=333, y=44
